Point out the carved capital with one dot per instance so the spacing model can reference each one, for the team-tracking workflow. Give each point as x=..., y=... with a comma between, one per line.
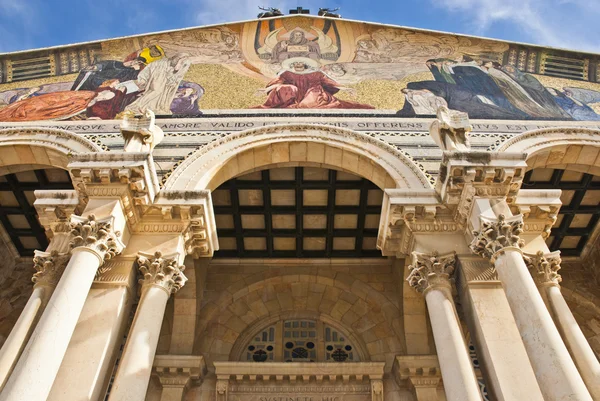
x=49, y=267
x=222, y=388
x=497, y=234
x=377, y=390
x=431, y=270
x=165, y=273
x=544, y=267
x=96, y=235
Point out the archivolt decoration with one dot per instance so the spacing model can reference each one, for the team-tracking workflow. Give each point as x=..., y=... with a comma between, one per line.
x=196, y=170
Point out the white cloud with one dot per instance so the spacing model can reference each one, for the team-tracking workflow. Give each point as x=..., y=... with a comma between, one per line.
x=561, y=23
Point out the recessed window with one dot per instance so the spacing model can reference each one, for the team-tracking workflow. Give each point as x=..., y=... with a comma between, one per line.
x=300, y=341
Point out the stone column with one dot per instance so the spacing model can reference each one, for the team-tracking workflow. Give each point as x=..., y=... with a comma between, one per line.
x=430, y=274
x=500, y=350
x=90, y=358
x=162, y=277
x=93, y=242
x=498, y=239
x=49, y=267
x=544, y=269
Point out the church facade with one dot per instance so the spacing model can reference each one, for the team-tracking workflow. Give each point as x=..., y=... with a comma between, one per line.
x=300, y=208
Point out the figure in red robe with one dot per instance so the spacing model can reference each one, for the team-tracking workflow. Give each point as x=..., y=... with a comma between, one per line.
x=302, y=86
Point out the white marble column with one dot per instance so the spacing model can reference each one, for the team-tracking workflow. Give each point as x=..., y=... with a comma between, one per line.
x=162, y=277
x=430, y=274
x=559, y=380
x=544, y=268
x=49, y=267
x=93, y=242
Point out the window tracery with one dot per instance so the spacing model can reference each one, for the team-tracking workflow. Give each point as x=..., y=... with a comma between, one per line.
x=300, y=340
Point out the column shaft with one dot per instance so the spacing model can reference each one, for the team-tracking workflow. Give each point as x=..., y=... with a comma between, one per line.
x=18, y=336
x=555, y=371
x=580, y=349
x=36, y=370
x=90, y=357
x=459, y=378
x=135, y=368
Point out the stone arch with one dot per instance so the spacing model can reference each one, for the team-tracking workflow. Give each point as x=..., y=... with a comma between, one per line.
x=295, y=145
x=369, y=317
x=575, y=149
x=32, y=148
x=246, y=336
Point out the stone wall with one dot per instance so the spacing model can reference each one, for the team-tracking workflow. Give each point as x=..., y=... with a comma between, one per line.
x=360, y=297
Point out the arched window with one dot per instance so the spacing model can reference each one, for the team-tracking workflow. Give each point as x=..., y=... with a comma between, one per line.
x=300, y=340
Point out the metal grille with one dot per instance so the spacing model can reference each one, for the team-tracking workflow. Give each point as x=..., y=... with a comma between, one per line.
x=564, y=67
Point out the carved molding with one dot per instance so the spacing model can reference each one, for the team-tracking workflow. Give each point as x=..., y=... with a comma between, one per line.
x=430, y=271
x=49, y=267
x=420, y=371
x=549, y=137
x=130, y=176
x=497, y=234
x=55, y=208
x=377, y=390
x=544, y=267
x=309, y=132
x=96, y=235
x=165, y=273
x=49, y=137
x=466, y=175
x=179, y=370
x=539, y=209
x=189, y=212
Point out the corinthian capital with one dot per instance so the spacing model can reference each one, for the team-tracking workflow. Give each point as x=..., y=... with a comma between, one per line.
x=49, y=267
x=496, y=235
x=544, y=267
x=96, y=235
x=430, y=270
x=162, y=272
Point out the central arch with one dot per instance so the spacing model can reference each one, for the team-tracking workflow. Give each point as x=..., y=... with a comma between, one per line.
x=295, y=145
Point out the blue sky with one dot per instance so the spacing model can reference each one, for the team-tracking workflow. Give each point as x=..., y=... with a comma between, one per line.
x=27, y=24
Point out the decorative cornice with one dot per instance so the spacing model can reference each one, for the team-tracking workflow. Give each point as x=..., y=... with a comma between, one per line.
x=496, y=235
x=179, y=370
x=420, y=370
x=544, y=267
x=161, y=272
x=49, y=267
x=466, y=175
x=54, y=209
x=96, y=235
x=192, y=214
x=539, y=209
x=430, y=271
x=130, y=176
